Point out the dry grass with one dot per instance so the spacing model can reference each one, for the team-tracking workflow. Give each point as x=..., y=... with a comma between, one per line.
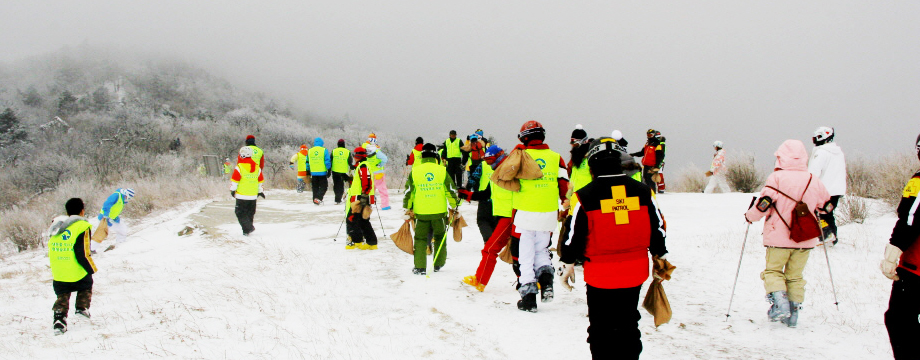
x=690, y=179
x=742, y=173
x=880, y=178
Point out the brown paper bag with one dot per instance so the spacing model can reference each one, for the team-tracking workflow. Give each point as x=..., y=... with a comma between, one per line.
x=505, y=255
x=656, y=301
x=102, y=231
x=404, y=239
x=530, y=170
x=457, y=222
x=366, y=212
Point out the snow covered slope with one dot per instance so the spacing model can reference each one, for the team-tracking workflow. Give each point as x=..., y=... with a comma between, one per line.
x=290, y=291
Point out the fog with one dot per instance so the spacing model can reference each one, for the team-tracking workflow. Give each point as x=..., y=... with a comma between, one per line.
x=748, y=73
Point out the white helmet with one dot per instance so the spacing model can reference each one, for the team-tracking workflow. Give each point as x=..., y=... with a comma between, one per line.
x=245, y=152
x=616, y=135
x=823, y=134
x=717, y=144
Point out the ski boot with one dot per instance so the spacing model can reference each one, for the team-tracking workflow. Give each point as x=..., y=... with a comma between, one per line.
x=793, y=319
x=350, y=246
x=84, y=312
x=317, y=202
x=545, y=280
x=528, y=300
x=780, y=308
x=363, y=246
x=437, y=268
x=474, y=282
x=60, y=324
x=419, y=271
x=371, y=247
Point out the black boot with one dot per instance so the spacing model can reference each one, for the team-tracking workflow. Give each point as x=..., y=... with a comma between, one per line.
x=528, y=303
x=60, y=323
x=546, y=284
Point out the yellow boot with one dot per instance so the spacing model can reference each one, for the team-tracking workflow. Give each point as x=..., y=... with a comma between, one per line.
x=364, y=246
x=472, y=281
x=371, y=247
x=349, y=246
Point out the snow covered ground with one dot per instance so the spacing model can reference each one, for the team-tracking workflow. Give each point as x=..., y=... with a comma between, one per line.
x=290, y=291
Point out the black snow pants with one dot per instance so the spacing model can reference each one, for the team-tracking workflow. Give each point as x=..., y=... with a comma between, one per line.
x=338, y=185
x=829, y=218
x=455, y=170
x=320, y=184
x=245, y=211
x=360, y=229
x=903, y=316
x=484, y=219
x=613, y=323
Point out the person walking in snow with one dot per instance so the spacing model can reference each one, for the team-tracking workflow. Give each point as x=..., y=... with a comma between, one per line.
x=428, y=191
x=111, y=213
x=318, y=163
x=72, y=266
x=902, y=264
x=716, y=171
x=652, y=157
x=341, y=165
x=785, y=187
x=299, y=163
x=500, y=201
x=453, y=158
x=485, y=221
x=256, y=151
x=360, y=232
x=228, y=167
x=476, y=152
x=616, y=224
x=416, y=154
x=246, y=187
x=828, y=164
x=377, y=161
x=536, y=211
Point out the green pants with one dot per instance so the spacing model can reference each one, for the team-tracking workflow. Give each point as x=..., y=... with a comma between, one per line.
x=784, y=272
x=421, y=241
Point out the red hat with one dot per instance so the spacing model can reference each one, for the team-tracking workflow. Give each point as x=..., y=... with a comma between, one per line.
x=250, y=137
x=359, y=152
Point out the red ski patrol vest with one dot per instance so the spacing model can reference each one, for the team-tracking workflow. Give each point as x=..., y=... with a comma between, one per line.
x=910, y=259
x=622, y=218
x=649, y=155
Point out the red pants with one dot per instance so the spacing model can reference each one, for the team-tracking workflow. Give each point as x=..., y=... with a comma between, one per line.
x=490, y=251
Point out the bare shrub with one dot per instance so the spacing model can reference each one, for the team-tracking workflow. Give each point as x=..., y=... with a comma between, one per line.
x=881, y=178
x=24, y=229
x=852, y=209
x=690, y=179
x=742, y=174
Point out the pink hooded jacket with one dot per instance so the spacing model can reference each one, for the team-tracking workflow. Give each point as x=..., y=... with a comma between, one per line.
x=790, y=176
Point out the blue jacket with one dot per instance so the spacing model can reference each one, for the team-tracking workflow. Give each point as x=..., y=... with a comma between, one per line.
x=327, y=159
x=106, y=211
x=383, y=161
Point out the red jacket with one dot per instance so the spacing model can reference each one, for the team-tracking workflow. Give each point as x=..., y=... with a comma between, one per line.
x=616, y=223
x=906, y=233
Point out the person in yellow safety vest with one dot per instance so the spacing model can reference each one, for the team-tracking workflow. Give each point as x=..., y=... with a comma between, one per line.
x=299, y=163
x=228, y=167
x=377, y=161
x=416, y=154
x=246, y=187
x=536, y=215
x=428, y=190
x=72, y=266
x=360, y=232
x=454, y=158
x=341, y=165
x=111, y=213
x=319, y=163
x=256, y=151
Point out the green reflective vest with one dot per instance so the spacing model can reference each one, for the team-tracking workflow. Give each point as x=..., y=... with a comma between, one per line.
x=64, y=265
x=317, y=159
x=302, y=162
x=249, y=181
x=501, y=198
x=116, y=209
x=416, y=156
x=581, y=175
x=227, y=168
x=540, y=195
x=355, y=188
x=637, y=176
x=453, y=148
x=256, y=154
x=373, y=163
x=340, y=160
x=428, y=194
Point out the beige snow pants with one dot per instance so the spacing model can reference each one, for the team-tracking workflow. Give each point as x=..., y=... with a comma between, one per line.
x=784, y=272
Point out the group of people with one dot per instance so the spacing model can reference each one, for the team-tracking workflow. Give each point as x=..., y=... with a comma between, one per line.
x=605, y=200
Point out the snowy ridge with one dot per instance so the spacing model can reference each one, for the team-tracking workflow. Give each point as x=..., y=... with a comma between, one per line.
x=290, y=291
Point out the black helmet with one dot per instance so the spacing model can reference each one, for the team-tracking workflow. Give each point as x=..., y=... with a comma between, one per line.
x=429, y=151
x=603, y=157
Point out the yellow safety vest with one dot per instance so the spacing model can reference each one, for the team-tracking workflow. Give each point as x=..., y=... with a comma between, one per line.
x=249, y=181
x=355, y=188
x=340, y=160
x=416, y=156
x=501, y=198
x=428, y=193
x=116, y=209
x=453, y=148
x=540, y=195
x=64, y=265
x=581, y=175
x=373, y=163
x=256, y=154
x=317, y=159
x=302, y=162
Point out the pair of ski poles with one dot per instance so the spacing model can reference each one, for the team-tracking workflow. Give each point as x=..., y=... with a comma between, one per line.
x=738, y=271
x=346, y=217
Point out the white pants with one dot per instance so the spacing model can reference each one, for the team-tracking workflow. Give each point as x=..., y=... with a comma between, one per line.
x=717, y=181
x=533, y=253
x=118, y=228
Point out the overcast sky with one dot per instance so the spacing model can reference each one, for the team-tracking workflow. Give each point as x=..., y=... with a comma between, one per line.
x=748, y=73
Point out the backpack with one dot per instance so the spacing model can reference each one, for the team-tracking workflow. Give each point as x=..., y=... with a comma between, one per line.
x=803, y=225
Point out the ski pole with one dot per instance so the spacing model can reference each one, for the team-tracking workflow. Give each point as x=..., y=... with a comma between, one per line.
x=381, y=221
x=738, y=271
x=438, y=251
x=828, y=259
x=340, y=227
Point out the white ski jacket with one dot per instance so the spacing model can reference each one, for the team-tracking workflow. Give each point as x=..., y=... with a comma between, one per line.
x=828, y=164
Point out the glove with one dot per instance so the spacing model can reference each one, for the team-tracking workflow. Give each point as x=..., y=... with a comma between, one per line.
x=232, y=193
x=746, y=219
x=890, y=262
x=708, y=173
x=364, y=199
x=261, y=194
x=465, y=194
x=568, y=273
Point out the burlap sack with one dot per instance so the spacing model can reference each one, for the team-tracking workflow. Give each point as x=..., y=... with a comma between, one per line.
x=505, y=255
x=518, y=165
x=102, y=231
x=366, y=212
x=656, y=301
x=457, y=223
x=404, y=239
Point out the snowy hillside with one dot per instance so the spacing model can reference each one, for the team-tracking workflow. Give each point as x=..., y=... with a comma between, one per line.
x=290, y=291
